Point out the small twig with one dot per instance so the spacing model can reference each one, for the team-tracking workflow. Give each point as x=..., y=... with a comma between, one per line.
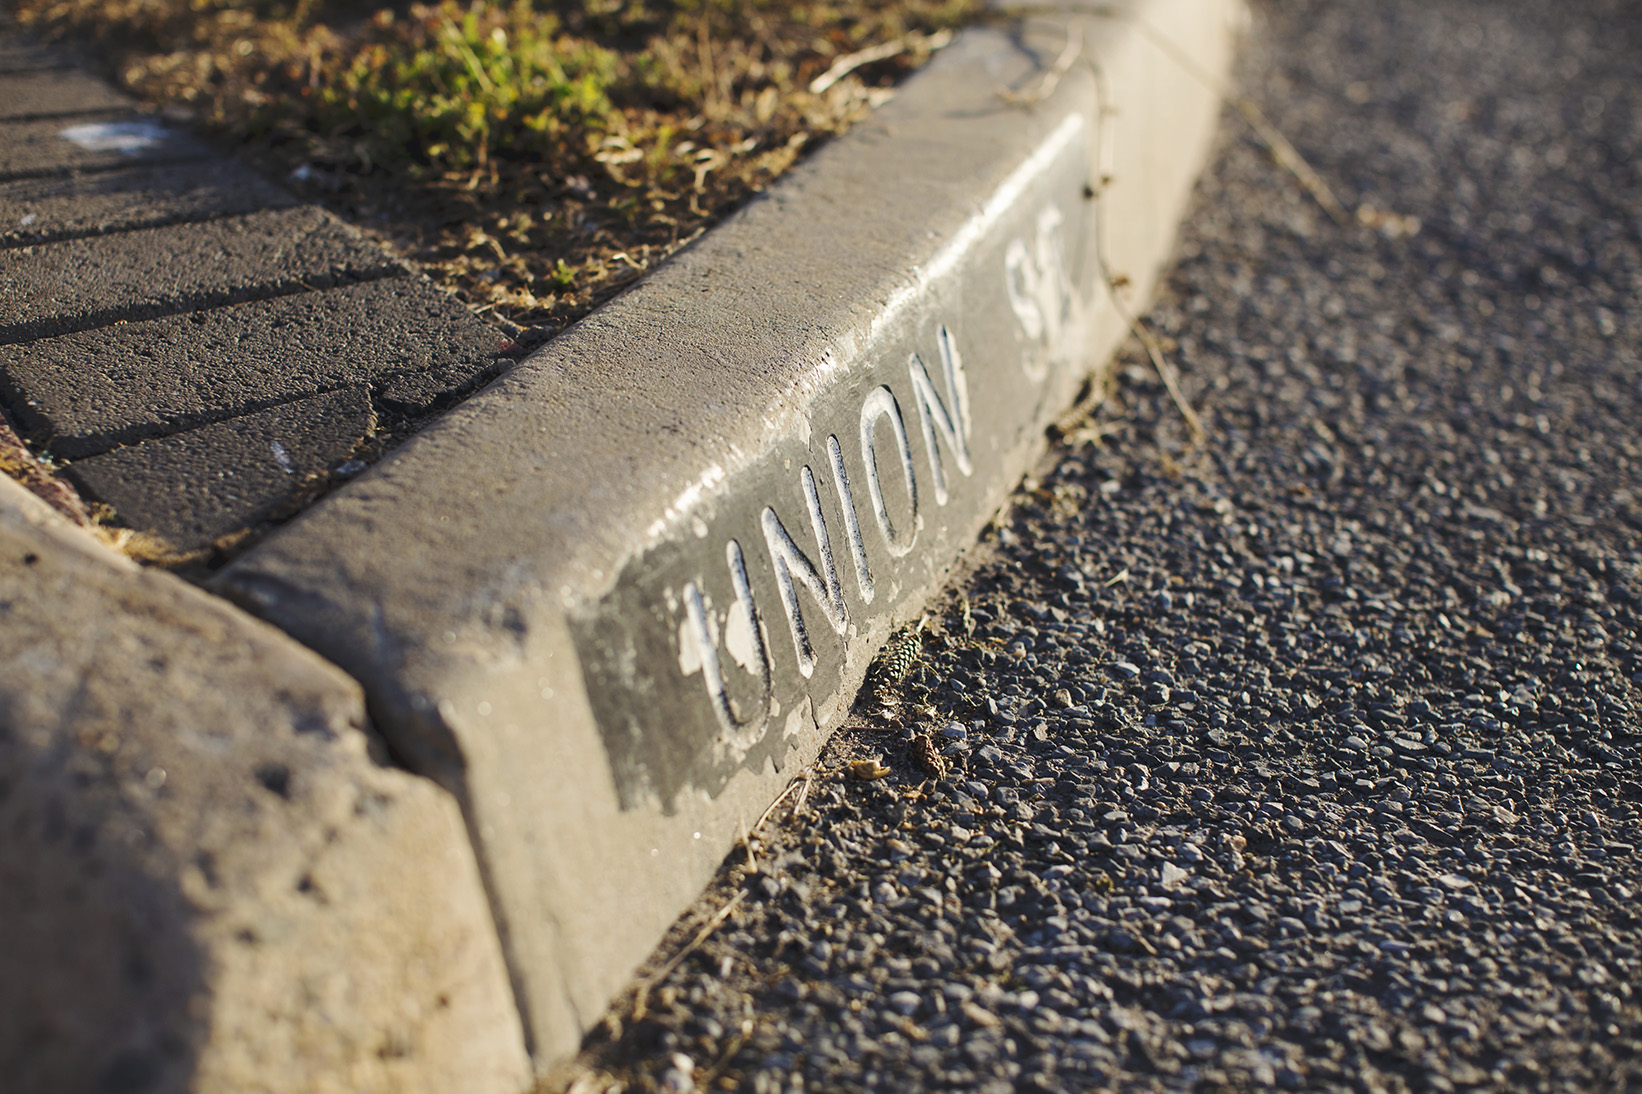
x=778, y=800
x=1165, y=371
x=704, y=55
x=642, y=997
x=1290, y=160
x=852, y=61
x=873, y=54
x=1051, y=78
x=1093, y=432
x=1094, y=397
x=735, y=1046
x=1281, y=150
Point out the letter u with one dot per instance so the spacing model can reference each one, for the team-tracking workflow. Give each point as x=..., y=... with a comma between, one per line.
x=737, y=732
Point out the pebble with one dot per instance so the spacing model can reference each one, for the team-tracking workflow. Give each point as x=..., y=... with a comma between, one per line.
x=904, y=1002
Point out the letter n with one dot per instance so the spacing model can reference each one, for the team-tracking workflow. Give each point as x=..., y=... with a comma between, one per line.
x=735, y=730
x=953, y=428
x=793, y=568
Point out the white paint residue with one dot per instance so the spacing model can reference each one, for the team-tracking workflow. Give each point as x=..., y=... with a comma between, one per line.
x=711, y=477
x=804, y=429
x=689, y=655
x=802, y=715
x=126, y=138
x=738, y=638
x=281, y=458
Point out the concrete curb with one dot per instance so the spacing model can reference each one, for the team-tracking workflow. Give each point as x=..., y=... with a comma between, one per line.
x=616, y=599
x=206, y=883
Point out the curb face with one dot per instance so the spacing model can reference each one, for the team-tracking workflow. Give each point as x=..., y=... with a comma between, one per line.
x=748, y=615
x=612, y=600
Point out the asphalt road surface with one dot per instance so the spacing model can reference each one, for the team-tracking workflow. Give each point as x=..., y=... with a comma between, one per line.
x=1306, y=758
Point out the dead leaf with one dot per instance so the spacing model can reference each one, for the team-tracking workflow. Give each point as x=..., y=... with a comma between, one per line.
x=867, y=770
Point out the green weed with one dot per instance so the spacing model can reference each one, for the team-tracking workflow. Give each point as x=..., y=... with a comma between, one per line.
x=453, y=85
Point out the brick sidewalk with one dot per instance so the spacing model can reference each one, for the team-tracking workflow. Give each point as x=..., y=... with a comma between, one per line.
x=195, y=348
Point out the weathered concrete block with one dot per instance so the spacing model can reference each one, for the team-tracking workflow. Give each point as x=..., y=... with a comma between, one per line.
x=617, y=598
x=193, y=487
x=83, y=393
x=55, y=93
x=206, y=882
x=55, y=288
x=40, y=210
x=39, y=148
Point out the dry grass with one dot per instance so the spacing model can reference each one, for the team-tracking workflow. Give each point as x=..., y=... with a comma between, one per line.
x=534, y=157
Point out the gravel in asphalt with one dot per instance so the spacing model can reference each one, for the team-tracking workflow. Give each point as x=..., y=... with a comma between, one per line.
x=1306, y=759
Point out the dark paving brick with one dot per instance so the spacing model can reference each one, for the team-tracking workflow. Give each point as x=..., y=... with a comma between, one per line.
x=56, y=93
x=35, y=148
x=23, y=54
x=86, y=392
x=41, y=210
x=194, y=487
x=158, y=296
x=78, y=284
